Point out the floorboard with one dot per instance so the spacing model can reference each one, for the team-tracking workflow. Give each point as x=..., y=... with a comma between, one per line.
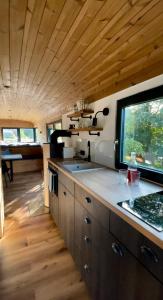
x=34, y=262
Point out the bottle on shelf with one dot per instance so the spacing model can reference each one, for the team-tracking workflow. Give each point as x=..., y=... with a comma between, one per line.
x=132, y=166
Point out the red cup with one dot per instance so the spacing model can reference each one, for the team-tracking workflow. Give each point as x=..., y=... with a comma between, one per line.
x=132, y=177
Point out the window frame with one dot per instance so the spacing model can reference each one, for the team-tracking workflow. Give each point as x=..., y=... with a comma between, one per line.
x=18, y=134
x=53, y=124
x=145, y=96
x=10, y=128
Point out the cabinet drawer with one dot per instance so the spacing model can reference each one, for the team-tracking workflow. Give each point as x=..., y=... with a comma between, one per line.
x=85, y=267
x=88, y=232
x=67, y=182
x=97, y=210
x=150, y=255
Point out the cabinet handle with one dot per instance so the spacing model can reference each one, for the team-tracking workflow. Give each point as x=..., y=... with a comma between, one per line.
x=86, y=239
x=147, y=251
x=86, y=268
x=65, y=193
x=117, y=249
x=87, y=220
x=88, y=200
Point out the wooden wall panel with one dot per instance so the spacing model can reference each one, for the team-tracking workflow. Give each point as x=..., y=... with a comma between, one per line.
x=15, y=123
x=55, y=52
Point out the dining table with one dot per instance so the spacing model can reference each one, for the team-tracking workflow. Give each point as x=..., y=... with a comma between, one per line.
x=10, y=158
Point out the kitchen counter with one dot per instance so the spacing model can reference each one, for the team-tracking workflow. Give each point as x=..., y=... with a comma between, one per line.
x=103, y=184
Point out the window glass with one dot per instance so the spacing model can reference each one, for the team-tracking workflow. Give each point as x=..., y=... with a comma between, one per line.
x=10, y=135
x=54, y=126
x=49, y=131
x=143, y=134
x=58, y=125
x=26, y=135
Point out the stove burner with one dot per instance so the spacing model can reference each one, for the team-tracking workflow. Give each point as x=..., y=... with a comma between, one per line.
x=147, y=208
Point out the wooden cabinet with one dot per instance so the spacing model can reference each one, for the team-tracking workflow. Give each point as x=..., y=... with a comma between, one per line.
x=66, y=216
x=118, y=275
x=144, y=250
x=109, y=269
x=89, y=236
x=108, y=252
x=67, y=182
x=97, y=210
x=54, y=207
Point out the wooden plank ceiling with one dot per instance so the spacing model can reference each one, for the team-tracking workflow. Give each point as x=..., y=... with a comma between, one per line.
x=55, y=52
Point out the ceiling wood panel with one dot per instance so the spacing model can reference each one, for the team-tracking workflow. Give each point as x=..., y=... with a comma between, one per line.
x=55, y=52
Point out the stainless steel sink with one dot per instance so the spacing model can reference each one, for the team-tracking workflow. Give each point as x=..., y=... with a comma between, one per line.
x=75, y=167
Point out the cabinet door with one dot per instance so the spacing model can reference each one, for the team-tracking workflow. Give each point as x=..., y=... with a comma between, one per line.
x=51, y=208
x=117, y=275
x=149, y=254
x=66, y=216
x=54, y=207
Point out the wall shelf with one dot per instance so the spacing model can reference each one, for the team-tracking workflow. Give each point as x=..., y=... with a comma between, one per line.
x=81, y=113
x=91, y=130
x=86, y=129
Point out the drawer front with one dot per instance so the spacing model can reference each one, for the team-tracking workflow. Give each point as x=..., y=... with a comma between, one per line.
x=97, y=210
x=85, y=267
x=88, y=232
x=147, y=252
x=67, y=182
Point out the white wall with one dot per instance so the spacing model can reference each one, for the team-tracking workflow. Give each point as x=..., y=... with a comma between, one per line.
x=102, y=148
x=41, y=131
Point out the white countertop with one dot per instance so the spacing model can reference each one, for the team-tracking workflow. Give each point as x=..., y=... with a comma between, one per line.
x=104, y=185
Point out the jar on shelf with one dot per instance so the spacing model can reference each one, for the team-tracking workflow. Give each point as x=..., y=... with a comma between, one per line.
x=80, y=105
x=75, y=107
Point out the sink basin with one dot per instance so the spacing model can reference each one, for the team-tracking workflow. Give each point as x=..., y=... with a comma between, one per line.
x=81, y=166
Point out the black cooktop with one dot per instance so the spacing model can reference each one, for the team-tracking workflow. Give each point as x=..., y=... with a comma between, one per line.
x=147, y=208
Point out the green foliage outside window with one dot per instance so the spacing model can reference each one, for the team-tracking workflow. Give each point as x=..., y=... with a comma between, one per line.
x=143, y=133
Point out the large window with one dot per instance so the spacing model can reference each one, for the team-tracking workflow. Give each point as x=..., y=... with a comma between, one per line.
x=23, y=135
x=53, y=126
x=27, y=135
x=10, y=135
x=140, y=130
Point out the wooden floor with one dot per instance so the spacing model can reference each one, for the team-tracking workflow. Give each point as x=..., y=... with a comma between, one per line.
x=34, y=263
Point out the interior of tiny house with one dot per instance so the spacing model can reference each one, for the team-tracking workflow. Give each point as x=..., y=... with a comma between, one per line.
x=81, y=149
